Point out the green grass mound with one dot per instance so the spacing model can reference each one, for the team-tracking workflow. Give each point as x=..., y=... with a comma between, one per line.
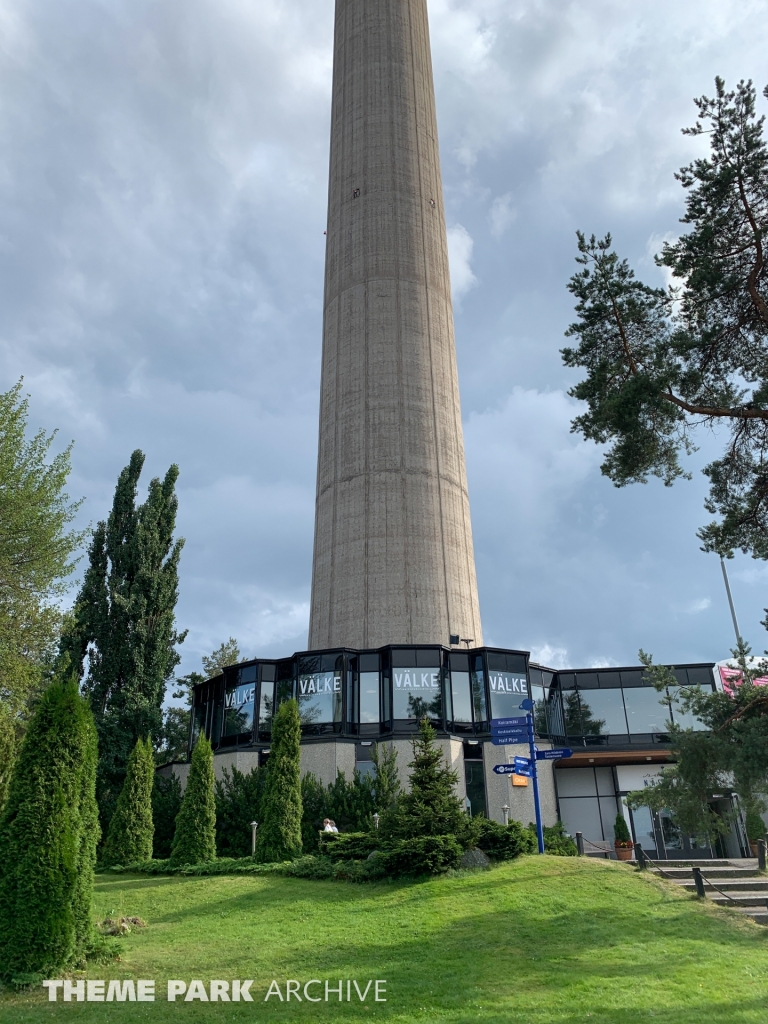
x=536, y=940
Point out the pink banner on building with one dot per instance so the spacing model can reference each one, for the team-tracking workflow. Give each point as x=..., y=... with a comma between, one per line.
x=731, y=678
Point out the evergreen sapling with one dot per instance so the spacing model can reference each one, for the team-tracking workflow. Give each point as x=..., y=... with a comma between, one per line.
x=194, y=841
x=279, y=836
x=131, y=830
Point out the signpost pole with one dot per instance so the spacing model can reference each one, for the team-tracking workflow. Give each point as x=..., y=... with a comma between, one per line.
x=527, y=705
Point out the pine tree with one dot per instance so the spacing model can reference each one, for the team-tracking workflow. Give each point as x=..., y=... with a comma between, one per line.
x=124, y=622
x=194, y=841
x=279, y=835
x=129, y=840
x=48, y=836
x=430, y=807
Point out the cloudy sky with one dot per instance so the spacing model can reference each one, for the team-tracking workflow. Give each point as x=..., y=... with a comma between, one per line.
x=163, y=176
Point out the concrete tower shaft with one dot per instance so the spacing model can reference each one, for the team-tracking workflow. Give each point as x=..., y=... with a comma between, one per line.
x=393, y=559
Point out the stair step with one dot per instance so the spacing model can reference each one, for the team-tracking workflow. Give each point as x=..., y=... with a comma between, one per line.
x=713, y=873
x=742, y=899
x=727, y=885
x=704, y=862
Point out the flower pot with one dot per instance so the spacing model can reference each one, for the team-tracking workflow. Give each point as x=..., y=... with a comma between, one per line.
x=753, y=847
x=623, y=852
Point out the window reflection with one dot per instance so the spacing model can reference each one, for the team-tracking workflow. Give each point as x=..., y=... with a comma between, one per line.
x=462, y=697
x=416, y=693
x=507, y=690
x=602, y=713
x=645, y=712
x=369, y=697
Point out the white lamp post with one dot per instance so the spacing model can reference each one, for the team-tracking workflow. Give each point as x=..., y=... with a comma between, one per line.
x=505, y=812
x=254, y=826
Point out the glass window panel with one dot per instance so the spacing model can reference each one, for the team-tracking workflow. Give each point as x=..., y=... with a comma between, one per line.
x=428, y=659
x=602, y=713
x=365, y=769
x=571, y=713
x=462, y=697
x=609, y=680
x=416, y=693
x=507, y=690
x=478, y=691
x=474, y=777
x=643, y=826
x=266, y=707
x=645, y=713
x=685, y=720
x=608, y=812
x=218, y=711
x=587, y=680
x=605, y=786
x=369, y=696
x=700, y=677
x=632, y=678
x=567, y=681
x=238, y=708
x=319, y=697
x=582, y=814
x=198, y=723
x=575, y=782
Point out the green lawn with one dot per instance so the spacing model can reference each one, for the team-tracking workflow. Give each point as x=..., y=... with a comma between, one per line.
x=539, y=940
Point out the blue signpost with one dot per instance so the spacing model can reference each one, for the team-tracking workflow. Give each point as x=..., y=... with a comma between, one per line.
x=520, y=730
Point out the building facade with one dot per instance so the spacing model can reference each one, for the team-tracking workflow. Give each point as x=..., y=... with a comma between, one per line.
x=614, y=721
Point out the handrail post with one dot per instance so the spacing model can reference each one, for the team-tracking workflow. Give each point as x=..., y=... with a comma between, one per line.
x=580, y=844
x=761, y=855
x=698, y=881
x=640, y=856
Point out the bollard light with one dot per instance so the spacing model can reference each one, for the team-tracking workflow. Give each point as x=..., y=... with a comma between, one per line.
x=254, y=826
x=505, y=812
x=376, y=819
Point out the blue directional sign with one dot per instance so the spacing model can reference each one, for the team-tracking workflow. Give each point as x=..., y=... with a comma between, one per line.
x=500, y=739
x=553, y=755
x=509, y=723
x=504, y=769
x=527, y=772
x=527, y=704
x=522, y=762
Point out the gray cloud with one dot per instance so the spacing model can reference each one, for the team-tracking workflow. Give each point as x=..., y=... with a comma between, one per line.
x=162, y=207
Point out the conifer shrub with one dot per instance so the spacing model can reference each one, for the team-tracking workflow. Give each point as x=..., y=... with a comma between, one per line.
x=422, y=855
x=348, y=845
x=48, y=837
x=504, y=842
x=430, y=807
x=239, y=797
x=621, y=831
x=194, y=841
x=314, y=803
x=556, y=840
x=131, y=829
x=166, y=804
x=279, y=836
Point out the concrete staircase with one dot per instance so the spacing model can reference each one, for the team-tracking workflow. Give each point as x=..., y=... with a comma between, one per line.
x=745, y=886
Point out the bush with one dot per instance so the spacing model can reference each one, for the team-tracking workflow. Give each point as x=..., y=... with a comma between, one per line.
x=239, y=798
x=348, y=845
x=279, y=835
x=131, y=828
x=194, y=841
x=755, y=826
x=48, y=836
x=166, y=804
x=556, y=840
x=423, y=855
x=621, y=831
x=504, y=843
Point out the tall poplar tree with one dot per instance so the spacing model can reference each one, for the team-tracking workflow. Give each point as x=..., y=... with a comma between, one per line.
x=279, y=835
x=124, y=621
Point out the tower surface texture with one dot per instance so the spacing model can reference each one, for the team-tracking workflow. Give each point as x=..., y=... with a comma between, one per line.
x=393, y=558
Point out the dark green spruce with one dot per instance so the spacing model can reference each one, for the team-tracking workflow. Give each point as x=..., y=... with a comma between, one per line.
x=194, y=841
x=48, y=836
x=131, y=830
x=279, y=835
x=124, y=622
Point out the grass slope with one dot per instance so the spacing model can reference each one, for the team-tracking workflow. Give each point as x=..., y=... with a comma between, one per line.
x=539, y=940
